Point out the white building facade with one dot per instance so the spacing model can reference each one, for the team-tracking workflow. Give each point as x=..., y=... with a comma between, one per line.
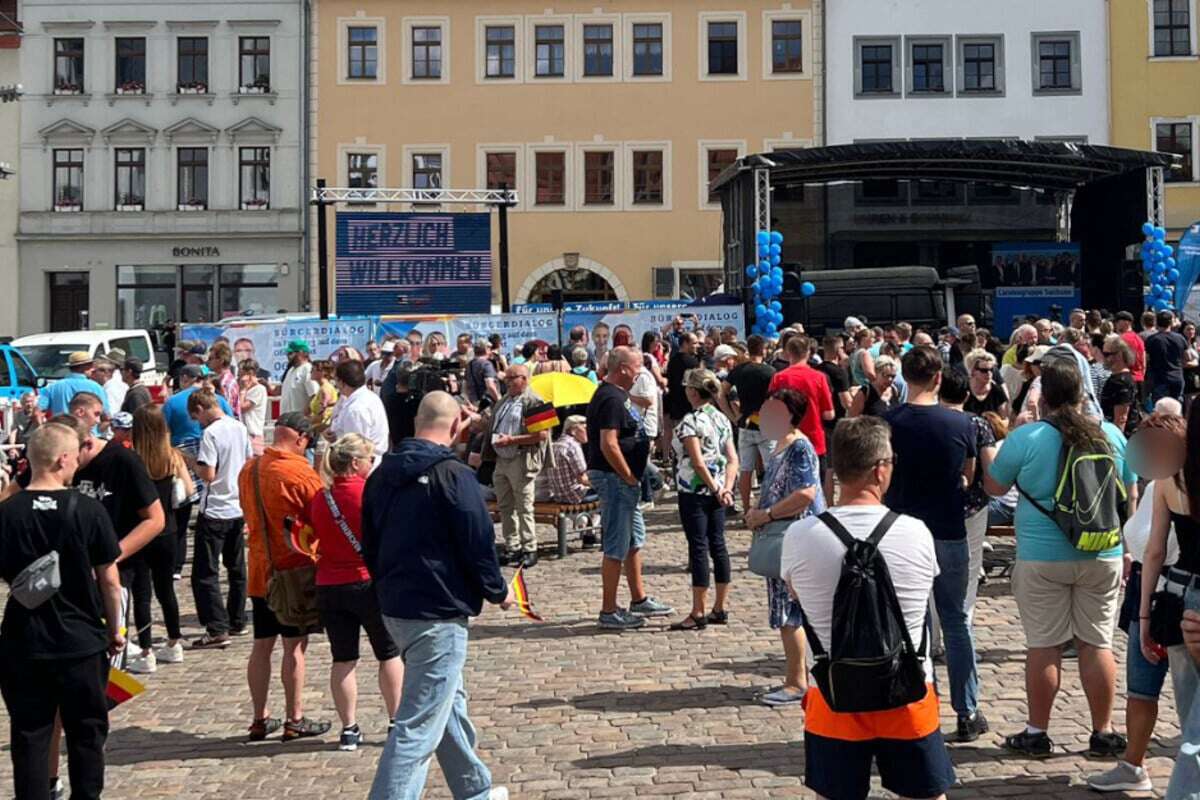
x=162, y=172
x=10, y=151
x=938, y=69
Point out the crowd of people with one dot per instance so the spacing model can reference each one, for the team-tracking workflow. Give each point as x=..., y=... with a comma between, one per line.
x=384, y=461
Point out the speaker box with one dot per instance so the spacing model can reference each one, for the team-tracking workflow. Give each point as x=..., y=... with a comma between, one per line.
x=1131, y=295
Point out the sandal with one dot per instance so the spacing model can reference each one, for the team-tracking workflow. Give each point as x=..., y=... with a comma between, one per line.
x=690, y=623
x=303, y=728
x=718, y=617
x=262, y=728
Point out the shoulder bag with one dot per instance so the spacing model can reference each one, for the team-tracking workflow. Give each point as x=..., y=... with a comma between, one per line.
x=291, y=593
x=41, y=579
x=766, y=548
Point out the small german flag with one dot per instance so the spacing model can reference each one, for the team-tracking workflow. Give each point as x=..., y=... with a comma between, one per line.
x=522, y=594
x=541, y=417
x=121, y=687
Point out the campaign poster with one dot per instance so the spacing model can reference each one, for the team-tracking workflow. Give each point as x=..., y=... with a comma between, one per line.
x=413, y=263
x=514, y=329
x=266, y=342
x=1032, y=278
x=655, y=319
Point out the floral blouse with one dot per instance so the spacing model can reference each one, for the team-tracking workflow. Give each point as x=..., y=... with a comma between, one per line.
x=790, y=471
x=713, y=430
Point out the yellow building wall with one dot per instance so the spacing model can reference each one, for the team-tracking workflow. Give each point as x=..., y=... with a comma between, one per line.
x=1146, y=88
x=395, y=115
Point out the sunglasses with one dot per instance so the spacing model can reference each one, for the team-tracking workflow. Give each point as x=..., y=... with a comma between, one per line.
x=984, y=370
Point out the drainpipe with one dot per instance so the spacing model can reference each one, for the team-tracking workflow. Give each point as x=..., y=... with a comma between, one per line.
x=305, y=155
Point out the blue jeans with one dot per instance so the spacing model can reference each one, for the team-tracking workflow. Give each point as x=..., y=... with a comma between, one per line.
x=950, y=598
x=1185, y=676
x=432, y=717
x=622, y=527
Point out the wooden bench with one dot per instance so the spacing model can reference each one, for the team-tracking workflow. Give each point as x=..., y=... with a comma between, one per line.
x=563, y=517
x=1005, y=564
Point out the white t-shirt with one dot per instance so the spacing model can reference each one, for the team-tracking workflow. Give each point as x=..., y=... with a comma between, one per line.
x=225, y=446
x=1137, y=530
x=116, y=390
x=362, y=412
x=256, y=418
x=376, y=372
x=298, y=387
x=812, y=564
x=645, y=386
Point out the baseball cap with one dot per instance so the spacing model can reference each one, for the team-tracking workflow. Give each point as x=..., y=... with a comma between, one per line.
x=197, y=349
x=852, y=322
x=1037, y=354
x=185, y=345
x=952, y=330
x=122, y=420
x=297, y=346
x=193, y=371
x=296, y=421
x=724, y=351
x=134, y=365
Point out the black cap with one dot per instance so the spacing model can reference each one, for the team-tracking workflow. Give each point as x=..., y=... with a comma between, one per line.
x=1123, y=316
x=296, y=421
x=193, y=371
x=134, y=365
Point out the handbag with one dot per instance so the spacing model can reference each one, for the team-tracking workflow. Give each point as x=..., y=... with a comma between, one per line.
x=291, y=593
x=1166, y=615
x=766, y=549
x=42, y=578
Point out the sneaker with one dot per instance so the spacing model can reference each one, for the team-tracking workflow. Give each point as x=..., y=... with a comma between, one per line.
x=132, y=651
x=208, y=642
x=971, y=728
x=176, y=576
x=170, y=654
x=498, y=793
x=649, y=607
x=620, y=620
x=242, y=631
x=783, y=696
x=304, y=727
x=1031, y=745
x=145, y=664
x=350, y=740
x=57, y=792
x=1124, y=777
x=1106, y=745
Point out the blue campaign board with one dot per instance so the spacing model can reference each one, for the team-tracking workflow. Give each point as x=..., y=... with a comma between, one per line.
x=417, y=263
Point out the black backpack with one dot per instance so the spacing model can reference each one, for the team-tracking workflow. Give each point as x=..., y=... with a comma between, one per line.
x=871, y=664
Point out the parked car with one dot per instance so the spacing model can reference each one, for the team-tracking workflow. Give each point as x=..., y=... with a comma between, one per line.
x=48, y=352
x=17, y=375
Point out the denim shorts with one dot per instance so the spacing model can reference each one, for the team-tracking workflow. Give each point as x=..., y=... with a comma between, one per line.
x=751, y=445
x=622, y=527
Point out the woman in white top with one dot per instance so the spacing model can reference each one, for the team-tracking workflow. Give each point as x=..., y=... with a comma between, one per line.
x=253, y=401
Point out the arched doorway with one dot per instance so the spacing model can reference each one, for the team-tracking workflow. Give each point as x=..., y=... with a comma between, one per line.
x=579, y=278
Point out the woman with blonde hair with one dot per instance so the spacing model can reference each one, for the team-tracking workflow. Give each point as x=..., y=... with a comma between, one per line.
x=320, y=407
x=435, y=346
x=986, y=393
x=345, y=594
x=154, y=565
x=879, y=394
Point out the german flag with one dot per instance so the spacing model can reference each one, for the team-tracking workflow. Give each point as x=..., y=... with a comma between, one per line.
x=121, y=687
x=522, y=594
x=541, y=417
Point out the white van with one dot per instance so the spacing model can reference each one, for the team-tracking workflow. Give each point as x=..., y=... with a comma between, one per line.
x=48, y=352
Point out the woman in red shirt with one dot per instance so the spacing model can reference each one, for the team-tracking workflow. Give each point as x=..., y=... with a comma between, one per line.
x=345, y=595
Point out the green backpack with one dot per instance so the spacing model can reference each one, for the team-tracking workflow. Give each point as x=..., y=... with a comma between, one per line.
x=1089, y=499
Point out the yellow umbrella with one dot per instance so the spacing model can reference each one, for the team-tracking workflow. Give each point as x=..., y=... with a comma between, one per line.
x=562, y=389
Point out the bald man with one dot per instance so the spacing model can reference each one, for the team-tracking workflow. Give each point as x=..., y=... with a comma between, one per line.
x=427, y=540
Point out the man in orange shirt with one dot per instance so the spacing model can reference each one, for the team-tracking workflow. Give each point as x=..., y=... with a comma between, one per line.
x=285, y=485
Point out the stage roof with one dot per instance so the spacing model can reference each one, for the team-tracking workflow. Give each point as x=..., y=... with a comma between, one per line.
x=1050, y=166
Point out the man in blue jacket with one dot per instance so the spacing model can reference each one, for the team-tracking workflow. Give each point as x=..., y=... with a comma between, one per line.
x=429, y=544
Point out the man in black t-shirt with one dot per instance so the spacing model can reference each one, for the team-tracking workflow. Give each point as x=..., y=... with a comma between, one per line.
x=1165, y=354
x=833, y=352
x=751, y=380
x=138, y=395
x=617, y=451
x=675, y=402
x=55, y=656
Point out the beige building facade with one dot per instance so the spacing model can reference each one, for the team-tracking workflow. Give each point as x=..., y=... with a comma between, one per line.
x=609, y=119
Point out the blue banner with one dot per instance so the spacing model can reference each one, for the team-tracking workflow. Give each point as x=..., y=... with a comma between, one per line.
x=413, y=263
x=1187, y=261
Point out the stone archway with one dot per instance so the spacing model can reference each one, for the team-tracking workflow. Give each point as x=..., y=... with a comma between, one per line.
x=554, y=265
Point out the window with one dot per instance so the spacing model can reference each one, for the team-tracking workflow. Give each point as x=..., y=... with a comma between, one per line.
x=1178, y=138
x=362, y=171
x=362, y=51
x=147, y=296
x=192, y=64
x=427, y=170
x=501, y=46
x=876, y=62
x=979, y=67
x=550, y=52
x=787, y=46
x=426, y=52
x=648, y=49
x=938, y=193
x=254, y=177
x=598, y=50
x=254, y=64
x=599, y=175
x=192, y=178
x=501, y=170
x=130, y=184
x=68, y=180
x=992, y=194
x=247, y=288
x=1172, y=28
x=551, y=179
x=880, y=192
x=648, y=177
x=718, y=160
x=68, y=66
x=928, y=68
x=1056, y=62
x=722, y=48
x=131, y=65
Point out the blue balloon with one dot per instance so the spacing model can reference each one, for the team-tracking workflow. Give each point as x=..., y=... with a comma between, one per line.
x=764, y=266
x=763, y=237
x=776, y=237
x=771, y=329
x=1159, y=234
x=1173, y=275
x=807, y=289
x=764, y=251
x=751, y=271
x=760, y=310
x=1147, y=228
x=776, y=249
x=776, y=305
x=1168, y=250
x=775, y=261
x=1170, y=262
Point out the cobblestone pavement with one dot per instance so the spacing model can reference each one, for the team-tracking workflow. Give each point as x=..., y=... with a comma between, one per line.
x=565, y=711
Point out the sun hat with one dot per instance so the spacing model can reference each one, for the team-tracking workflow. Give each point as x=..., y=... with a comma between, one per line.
x=79, y=359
